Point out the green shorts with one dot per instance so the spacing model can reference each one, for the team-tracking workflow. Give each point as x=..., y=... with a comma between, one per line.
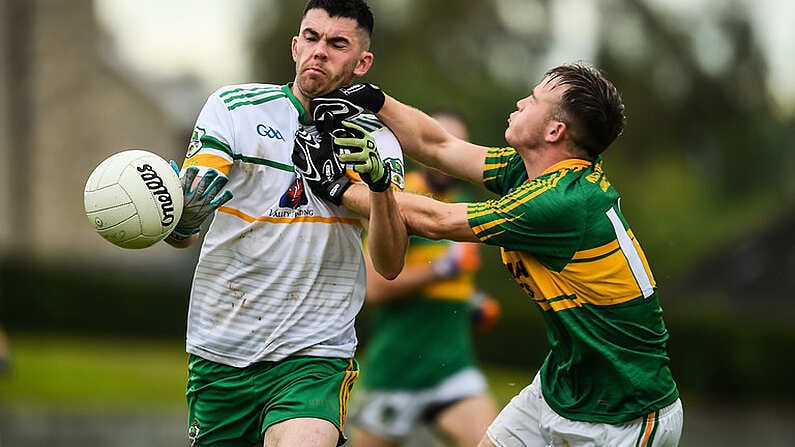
x=231, y=406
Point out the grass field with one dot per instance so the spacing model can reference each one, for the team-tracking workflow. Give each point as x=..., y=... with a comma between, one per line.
x=74, y=373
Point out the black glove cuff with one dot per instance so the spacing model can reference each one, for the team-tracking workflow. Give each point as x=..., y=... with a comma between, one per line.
x=335, y=189
x=369, y=96
x=375, y=101
x=381, y=185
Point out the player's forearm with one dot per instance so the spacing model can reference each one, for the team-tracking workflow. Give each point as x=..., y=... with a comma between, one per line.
x=426, y=141
x=387, y=234
x=436, y=220
x=420, y=135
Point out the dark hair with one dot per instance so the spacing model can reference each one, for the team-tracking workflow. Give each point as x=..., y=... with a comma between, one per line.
x=590, y=105
x=351, y=9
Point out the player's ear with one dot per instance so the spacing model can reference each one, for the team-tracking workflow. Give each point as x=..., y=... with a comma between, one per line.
x=555, y=131
x=293, y=48
x=364, y=64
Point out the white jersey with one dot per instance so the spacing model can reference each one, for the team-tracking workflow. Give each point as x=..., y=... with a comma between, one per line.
x=281, y=272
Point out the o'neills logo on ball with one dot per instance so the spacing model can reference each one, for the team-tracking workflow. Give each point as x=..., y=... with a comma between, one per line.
x=158, y=189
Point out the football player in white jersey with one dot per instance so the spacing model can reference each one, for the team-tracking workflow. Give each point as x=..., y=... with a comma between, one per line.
x=281, y=274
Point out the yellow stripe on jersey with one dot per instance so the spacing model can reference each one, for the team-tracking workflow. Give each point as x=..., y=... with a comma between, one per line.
x=492, y=163
x=480, y=230
x=490, y=166
x=564, y=302
x=209, y=161
x=597, y=252
x=289, y=220
x=599, y=280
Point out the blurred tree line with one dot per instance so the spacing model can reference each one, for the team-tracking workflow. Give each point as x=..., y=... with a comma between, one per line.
x=703, y=157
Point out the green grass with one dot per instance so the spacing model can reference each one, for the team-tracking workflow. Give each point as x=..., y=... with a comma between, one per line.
x=83, y=373
x=95, y=373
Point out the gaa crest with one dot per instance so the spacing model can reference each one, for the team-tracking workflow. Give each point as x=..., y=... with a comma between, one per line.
x=195, y=144
x=398, y=172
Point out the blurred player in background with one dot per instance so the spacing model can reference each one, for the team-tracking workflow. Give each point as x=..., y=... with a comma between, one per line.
x=5, y=354
x=281, y=275
x=419, y=362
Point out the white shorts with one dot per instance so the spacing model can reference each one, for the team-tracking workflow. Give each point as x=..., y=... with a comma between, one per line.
x=395, y=414
x=527, y=421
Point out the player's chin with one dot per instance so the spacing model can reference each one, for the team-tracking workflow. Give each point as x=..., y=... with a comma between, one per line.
x=314, y=85
x=509, y=137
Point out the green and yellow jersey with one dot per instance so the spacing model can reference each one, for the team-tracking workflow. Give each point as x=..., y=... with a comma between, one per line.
x=564, y=239
x=419, y=341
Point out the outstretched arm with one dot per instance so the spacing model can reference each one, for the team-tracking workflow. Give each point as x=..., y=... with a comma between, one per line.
x=424, y=216
x=433, y=219
x=420, y=136
x=424, y=140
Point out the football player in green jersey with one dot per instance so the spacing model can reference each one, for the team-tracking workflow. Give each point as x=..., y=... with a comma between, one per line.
x=606, y=380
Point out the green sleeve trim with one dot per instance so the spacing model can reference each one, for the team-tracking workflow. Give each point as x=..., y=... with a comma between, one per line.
x=214, y=143
x=249, y=93
x=276, y=95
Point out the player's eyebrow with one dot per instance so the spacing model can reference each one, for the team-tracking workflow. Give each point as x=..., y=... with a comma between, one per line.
x=310, y=31
x=334, y=40
x=337, y=40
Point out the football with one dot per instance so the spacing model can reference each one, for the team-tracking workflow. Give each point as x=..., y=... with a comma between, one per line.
x=133, y=199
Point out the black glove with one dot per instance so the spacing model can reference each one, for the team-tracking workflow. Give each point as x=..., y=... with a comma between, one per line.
x=318, y=165
x=357, y=147
x=332, y=108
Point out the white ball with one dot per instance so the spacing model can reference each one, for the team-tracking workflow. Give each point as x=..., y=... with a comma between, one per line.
x=133, y=199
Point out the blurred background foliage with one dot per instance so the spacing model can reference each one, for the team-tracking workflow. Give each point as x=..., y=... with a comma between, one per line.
x=704, y=157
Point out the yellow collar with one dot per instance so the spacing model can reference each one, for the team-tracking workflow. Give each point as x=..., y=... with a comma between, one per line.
x=568, y=164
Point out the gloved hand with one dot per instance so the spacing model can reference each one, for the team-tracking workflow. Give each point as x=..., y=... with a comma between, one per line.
x=357, y=147
x=344, y=103
x=201, y=201
x=460, y=258
x=318, y=165
x=484, y=311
